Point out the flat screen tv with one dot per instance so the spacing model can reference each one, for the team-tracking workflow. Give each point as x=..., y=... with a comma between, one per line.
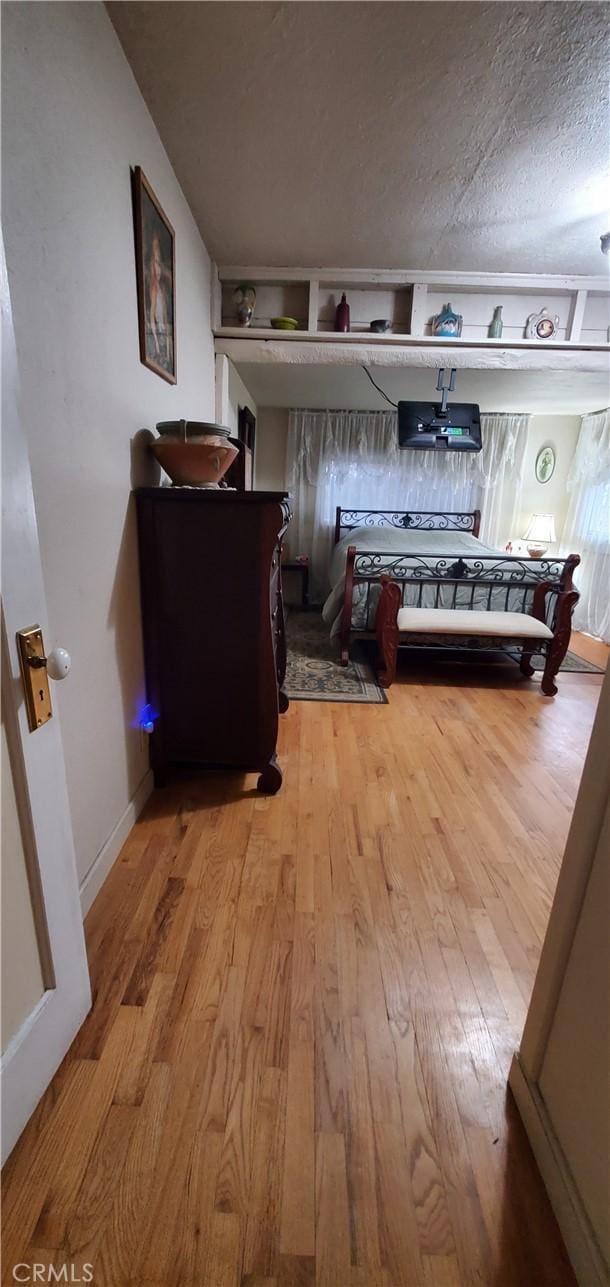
x=426, y=426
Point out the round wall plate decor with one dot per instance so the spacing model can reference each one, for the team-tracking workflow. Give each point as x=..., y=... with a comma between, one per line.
x=545, y=463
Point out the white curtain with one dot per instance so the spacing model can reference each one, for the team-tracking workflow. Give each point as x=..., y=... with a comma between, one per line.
x=587, y=527
x=352, y=459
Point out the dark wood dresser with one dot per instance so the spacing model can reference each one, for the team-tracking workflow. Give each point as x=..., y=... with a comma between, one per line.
x=213, y=624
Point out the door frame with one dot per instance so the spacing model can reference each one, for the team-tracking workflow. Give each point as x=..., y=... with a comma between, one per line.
x=587, y=835
x=37, y=1048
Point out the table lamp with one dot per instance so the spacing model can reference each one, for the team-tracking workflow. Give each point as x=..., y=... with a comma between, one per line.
x=539, y=535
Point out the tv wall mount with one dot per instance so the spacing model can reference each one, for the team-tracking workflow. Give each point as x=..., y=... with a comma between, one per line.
x=445, y=387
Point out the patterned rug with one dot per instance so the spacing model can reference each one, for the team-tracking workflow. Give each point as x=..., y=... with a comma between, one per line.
x=313, y=672
x=577, y=665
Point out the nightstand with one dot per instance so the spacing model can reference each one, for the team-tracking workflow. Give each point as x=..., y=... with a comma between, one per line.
x=300, y=565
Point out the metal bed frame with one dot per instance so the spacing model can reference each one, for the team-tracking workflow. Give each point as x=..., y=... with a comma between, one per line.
x=468, y=581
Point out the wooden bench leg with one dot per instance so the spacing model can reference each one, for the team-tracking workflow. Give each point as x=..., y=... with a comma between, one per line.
x=525, y=665
x=388, y=649
x=386, y=629
x=343, y=648
x=553, y=662
x=558, y=645
x=556, y=652
x=345, y=627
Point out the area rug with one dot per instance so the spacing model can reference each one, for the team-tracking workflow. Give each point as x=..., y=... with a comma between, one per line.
x=313, y=672
x=577, y=665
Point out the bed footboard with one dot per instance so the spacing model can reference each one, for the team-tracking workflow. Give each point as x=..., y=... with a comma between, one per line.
x=345, y=628
x=386, y=629
x=507, y=583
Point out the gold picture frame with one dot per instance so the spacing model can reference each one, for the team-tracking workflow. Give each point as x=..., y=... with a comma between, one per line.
x=156, y=279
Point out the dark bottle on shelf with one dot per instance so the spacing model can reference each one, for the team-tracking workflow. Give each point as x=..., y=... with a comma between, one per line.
x=342, y=315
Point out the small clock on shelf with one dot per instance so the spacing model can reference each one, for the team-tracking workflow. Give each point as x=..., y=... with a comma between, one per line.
x=541, y=326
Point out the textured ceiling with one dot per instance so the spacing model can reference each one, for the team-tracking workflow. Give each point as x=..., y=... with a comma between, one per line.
x=551, y=392
x=418, y=135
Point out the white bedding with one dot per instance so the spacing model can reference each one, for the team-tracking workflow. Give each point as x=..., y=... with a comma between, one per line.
x=404, y=541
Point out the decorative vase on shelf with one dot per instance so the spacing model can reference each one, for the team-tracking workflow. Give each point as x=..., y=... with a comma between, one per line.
x=244, y=299
x=496, y=325
x=447, y=323
x=342, y=315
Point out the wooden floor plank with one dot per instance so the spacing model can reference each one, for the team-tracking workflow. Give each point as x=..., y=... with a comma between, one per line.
x=297, y=1228
x=590, y=648
x=261, y=1248
x=136, y=1184
x=333, y=1261
x=294, y=1072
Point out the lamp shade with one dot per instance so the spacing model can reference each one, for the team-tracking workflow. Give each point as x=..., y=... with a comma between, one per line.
x=541, y=527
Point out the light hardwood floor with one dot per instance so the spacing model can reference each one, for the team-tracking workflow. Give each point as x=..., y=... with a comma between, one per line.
x=295, y=1068
x=592, y=649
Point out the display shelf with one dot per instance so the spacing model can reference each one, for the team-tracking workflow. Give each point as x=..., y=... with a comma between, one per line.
x=406, y=340
x=409, y=299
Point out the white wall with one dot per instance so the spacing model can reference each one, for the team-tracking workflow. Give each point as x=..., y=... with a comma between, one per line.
x=270, y=454
x=73, y=124
x=551, y=497
x=239, y=396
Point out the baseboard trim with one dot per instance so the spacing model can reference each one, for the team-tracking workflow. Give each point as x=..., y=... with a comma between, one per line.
x=108, y=854
x=583, y=1250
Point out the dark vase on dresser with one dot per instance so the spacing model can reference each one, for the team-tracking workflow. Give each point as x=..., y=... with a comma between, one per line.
x=213, y=623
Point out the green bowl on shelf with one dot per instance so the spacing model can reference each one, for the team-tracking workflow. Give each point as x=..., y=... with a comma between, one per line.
x=284, y=323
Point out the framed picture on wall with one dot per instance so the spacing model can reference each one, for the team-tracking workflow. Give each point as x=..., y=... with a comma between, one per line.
x=156, y=280
x=545, y=464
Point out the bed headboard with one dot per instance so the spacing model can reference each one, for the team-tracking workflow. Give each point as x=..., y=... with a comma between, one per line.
x=428, y=520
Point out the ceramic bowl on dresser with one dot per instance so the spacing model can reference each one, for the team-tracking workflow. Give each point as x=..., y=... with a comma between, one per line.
x=194, y=453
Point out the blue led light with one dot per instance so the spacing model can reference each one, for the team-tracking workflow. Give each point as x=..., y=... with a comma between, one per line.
x=148, y=715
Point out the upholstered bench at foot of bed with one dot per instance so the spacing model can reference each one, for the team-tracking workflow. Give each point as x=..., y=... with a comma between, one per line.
x=465, y=621
x=525, y=630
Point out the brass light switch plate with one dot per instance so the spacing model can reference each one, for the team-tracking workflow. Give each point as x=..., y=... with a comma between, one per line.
x=34, y=675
